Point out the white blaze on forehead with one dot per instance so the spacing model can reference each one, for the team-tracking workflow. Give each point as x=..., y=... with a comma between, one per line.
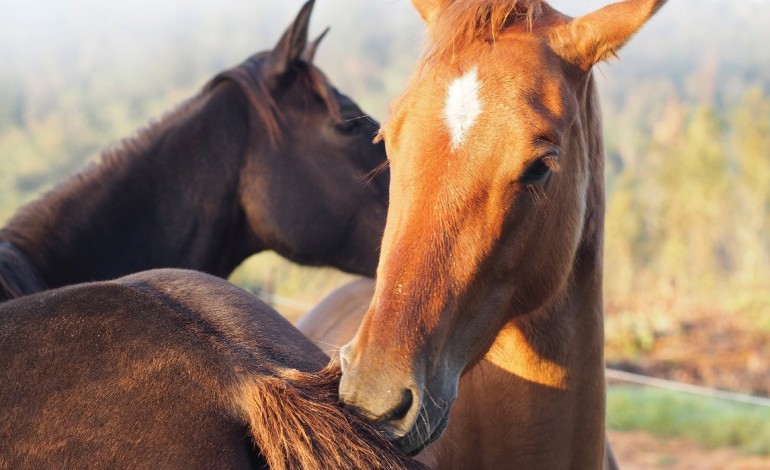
x=462, y=107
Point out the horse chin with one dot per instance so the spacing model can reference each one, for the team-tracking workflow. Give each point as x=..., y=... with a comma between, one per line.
x=413, y=443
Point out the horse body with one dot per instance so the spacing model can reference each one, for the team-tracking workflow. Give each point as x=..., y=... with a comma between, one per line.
x=488, y=299
x=268, y=156
x=336, y=318
x=500, y=399
x=169, y=369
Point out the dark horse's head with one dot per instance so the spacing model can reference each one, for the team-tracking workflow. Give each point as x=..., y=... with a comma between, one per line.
x=269, y=156
x=311, y=188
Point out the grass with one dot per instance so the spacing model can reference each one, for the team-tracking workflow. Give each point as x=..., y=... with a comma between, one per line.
x=709, y=422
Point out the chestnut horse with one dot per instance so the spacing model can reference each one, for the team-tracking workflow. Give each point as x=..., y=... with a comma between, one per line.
x=491, y=264
x=170, y=369
x=269, y=156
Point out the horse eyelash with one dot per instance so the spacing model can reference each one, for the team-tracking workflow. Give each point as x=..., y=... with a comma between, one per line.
x=552, y=162
x=369, y=177
x=549, y=141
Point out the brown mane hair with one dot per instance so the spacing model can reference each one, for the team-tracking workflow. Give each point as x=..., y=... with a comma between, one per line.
x=463, y=22
x=18, y=276
x=249, y=77
x=296, y=422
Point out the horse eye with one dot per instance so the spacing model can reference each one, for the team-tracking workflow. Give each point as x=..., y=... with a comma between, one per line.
x=348, y=126
x=538, y=171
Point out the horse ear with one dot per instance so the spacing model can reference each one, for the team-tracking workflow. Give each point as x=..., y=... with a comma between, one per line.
x=597, y=36
x=289, y=48
x=309, y=53
x=428, y=8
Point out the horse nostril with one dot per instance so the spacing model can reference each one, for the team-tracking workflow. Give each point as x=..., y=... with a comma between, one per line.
x=401, y=409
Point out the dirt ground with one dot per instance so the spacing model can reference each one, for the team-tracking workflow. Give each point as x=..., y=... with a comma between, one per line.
x=641, y=451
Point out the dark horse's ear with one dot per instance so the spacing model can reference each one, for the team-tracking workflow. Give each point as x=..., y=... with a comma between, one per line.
x=289, y=48
x=309, y=53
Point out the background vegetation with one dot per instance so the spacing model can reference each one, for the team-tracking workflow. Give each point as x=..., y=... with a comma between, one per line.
x=687, y=126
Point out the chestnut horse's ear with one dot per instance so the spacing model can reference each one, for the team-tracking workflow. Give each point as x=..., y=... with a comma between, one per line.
x=428, y=8
x=309, y=53
x=597, y=36
x=289, y=48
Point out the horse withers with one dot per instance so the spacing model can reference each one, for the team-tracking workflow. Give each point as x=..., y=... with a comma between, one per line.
x=269, y=156
x=485, y=331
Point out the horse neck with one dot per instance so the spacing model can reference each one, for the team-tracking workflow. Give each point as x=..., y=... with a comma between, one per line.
x=537, y=398
x=167, y=198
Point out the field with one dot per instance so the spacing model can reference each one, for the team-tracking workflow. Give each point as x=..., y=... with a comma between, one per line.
x=687, y=135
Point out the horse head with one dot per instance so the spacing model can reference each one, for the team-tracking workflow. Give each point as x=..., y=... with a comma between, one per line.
x=496, y=199
x=311, y=186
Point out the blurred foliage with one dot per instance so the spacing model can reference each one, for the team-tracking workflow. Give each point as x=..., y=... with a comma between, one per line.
x=687, y=123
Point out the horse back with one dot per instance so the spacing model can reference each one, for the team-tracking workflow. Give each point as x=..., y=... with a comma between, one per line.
x=143, y=370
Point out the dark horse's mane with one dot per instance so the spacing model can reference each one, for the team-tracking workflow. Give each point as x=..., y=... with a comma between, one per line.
x=18, y=276
x=249, y=76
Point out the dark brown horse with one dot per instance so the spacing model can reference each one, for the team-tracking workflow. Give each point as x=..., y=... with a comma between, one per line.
x=268, y=156
x=491, y=265
x=170, y=369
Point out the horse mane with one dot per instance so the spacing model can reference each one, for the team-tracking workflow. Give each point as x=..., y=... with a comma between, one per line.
x=18, y=276
x=249, y=76
x=463, y=22
x=296, y=422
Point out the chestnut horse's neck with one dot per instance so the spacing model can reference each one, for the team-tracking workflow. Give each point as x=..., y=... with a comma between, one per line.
x=167, y=198
x=536, y=400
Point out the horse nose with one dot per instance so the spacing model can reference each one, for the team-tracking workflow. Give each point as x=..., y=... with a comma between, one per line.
x=396, y=411
x=378, y=397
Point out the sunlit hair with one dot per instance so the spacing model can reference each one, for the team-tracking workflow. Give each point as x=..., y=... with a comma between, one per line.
x=463, y=22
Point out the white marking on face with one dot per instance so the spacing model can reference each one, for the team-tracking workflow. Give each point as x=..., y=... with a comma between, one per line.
x=462, y=107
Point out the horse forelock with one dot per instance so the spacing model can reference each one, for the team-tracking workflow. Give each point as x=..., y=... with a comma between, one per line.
x=464, y=22
x=250, y=77
x=457, y=26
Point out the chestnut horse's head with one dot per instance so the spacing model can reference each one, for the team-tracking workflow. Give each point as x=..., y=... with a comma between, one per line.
x=493, y=151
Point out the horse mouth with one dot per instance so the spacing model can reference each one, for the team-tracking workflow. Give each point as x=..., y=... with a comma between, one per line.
x=411, y=444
